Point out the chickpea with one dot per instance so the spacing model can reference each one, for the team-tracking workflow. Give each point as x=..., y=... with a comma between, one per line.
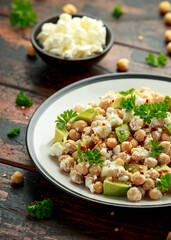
x=164, y=7
x=137, y=154
x=134, y=143
x=167, y=36
x=79, y=108
x=140, y=135
x=150, y=162
x=148, y=184
x=30, y=50
x=112, y=135
x=76, y=177
x=67, y=164
x=68, y=126
x=17, y=177
x=122, y=64
x=74, y=135
x=93, y=105
x=155, y=194
x=87, y=131
x=82, y=168
x=138, y=179
x=166, y=146
x=87, y=141
x=156, y=135
x=75, y=156
x=126, y=146
x=168, y=236
x=152, y=174
x=80, y=125
x=95, y=169
x=125, y=157
x=62, y=157
x=69, y=8
x=168, y=47
x=98, y=187
x=94, y=124
x=119, y=113
x=134, y=194
x=104, y=104
x=163, y=158
x=167, y=18
x=70, y=146
x=111, y=142
x=95, y=138
x=166, y=137
x=136, y=123
x=101, y=111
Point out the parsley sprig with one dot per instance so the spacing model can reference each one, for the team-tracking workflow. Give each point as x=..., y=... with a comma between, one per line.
x=155, y=148
x=65, y=117
x=92, y=157
x=125, y=93
x=164, y=182
x=23, y=100
x=129, y=104
x=117, y=11
x=43, y=209
x=161, y=60
x=22, y=14
x=13, y=132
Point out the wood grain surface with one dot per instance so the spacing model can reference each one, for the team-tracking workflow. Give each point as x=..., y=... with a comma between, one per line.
x=72, y=218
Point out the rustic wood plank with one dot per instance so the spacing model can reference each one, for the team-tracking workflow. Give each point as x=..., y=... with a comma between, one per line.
x=72, y=218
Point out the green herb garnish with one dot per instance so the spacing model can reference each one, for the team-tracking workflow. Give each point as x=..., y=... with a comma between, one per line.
x=129, y=104
x=13, y=132
x=92, y=156
x=43, y=209
x=22, y=14
x=65, y=117
x=23, y=100
x=117, y=11
x=161, y=60
x=164, y=182
x=148, y=111
x=155, y=148
x=125, y=93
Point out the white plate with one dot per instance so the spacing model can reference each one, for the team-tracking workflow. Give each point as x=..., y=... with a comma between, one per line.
x=40, y=131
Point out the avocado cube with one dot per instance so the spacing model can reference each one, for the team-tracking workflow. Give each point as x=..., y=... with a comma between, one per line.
x=60, y=135
x=88, y=115
x=168, y=127
x=163, y=168
x=132, y=167
x=79, y=152
x=118, y=102
x=168, y=100
x=117, y=189
x=122, y=132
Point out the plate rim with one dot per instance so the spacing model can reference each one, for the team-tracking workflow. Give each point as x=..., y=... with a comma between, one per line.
x=36, y=116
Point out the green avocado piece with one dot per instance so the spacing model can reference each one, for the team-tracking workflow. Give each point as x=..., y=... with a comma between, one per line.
x=122, y=132
x=168, y=100
x=118, y=102
x=88, y=115
x=168, y=127
x=79, y=152
x=137, y=92
x=163, y=167
x=115, y=188
x=60, y=135
x=135, y=167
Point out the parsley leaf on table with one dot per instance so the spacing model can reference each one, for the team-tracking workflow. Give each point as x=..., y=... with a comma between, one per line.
x=164, y=182
x=129, y=104
x=22, y=14
x=117, y=11
x=125, y=93
x=43, y=209
x=65, y=117
x=23, y=100
x=13, y=132
x=161, y=60
x=155, y=148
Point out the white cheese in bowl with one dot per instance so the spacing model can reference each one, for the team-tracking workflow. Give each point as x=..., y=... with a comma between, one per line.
x=73, y=37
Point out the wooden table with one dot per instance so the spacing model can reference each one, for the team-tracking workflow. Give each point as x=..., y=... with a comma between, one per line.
x=72, y=218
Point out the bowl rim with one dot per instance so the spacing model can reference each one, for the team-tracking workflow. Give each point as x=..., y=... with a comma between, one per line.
x=49, y=18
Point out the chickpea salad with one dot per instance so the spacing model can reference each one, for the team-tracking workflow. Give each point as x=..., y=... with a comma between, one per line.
x=119, y=147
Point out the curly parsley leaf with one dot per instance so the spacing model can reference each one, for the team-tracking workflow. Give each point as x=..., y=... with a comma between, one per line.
x=155, y=148
x=161, y=60
x=164, y=182
x=13, y=132
x=22, y=14
x=43, y=209
x=149, y=111
x=117, y=11
x=129, y=104
x=65, y=117
x=125, y=93
x=91, y=156
x=23, y=100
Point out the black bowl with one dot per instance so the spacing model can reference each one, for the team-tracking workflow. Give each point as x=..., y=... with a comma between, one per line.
x=68, y=63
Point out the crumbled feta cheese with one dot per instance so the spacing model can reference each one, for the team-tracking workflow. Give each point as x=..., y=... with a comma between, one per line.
x=114, y=120
x=56, y=150
x=105, y=153
x=103, y=130
x=116, y=150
